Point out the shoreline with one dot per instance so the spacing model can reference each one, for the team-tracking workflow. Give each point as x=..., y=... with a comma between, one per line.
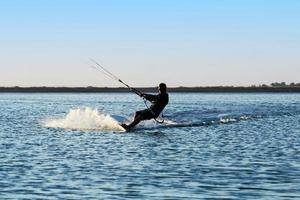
x=221, y=89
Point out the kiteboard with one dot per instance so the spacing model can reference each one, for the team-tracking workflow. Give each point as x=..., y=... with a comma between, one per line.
x=145, y=125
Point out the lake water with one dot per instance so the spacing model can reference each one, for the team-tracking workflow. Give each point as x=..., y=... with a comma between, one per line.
x=230, y=146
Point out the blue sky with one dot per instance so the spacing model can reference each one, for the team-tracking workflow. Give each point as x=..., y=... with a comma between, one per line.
x=144, y=42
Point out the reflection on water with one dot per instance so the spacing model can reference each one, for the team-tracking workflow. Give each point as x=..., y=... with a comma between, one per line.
x=257, y=157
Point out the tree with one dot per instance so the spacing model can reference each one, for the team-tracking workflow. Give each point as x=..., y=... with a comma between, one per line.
x=282, y=84
x=276, y=84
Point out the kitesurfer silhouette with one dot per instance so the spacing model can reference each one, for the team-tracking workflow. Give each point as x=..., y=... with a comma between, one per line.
x=158, y=101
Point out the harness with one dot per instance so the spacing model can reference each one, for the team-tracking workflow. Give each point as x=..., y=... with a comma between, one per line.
x=153, y=113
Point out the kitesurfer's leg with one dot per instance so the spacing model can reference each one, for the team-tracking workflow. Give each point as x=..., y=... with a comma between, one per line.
x=137, y=119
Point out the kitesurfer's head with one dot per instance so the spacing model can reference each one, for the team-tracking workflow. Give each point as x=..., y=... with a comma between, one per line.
x=162, y=88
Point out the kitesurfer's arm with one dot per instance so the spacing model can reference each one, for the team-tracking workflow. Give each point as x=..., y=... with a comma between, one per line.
x=150, y=97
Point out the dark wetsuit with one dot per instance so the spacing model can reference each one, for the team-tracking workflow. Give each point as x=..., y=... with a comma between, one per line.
x=159, y=103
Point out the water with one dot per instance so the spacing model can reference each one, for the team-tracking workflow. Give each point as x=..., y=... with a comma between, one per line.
x=230, y=146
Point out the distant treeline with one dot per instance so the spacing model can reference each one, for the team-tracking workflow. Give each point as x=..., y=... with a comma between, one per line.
x=281, y=84
x=274, y=87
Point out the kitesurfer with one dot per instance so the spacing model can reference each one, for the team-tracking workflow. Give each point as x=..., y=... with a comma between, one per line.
x=158, y=101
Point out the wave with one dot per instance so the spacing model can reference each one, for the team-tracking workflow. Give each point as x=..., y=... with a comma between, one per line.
x=206, y=122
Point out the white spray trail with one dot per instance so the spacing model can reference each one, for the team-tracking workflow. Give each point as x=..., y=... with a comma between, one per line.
x=85, y=119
